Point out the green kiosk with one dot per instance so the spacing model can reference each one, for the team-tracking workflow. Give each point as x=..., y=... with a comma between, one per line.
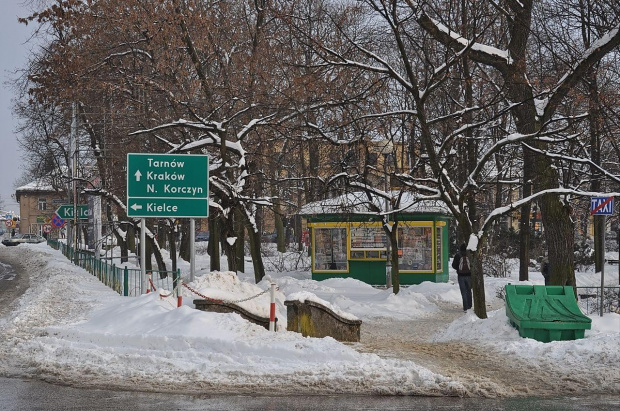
x=348, y=240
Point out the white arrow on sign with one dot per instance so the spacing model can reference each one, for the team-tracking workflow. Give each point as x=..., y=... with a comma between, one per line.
x=138, y=174
x=135, y=207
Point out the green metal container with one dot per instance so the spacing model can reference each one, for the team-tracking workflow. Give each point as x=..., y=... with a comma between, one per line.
x=545, y=313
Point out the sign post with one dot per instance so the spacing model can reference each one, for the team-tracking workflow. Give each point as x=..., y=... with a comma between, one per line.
x=602, y=206
x=192, y=249
x=143, y=285
x=168, y=185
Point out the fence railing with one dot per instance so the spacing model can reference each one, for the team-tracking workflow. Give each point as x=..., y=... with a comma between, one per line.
x=589, y=299
x=125, y=281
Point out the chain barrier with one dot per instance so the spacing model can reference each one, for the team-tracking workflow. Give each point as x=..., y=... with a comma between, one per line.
x=200, y=295
x=224, y=301
x=162, y=296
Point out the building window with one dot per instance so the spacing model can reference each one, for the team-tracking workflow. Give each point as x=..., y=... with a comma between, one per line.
x=42, y=204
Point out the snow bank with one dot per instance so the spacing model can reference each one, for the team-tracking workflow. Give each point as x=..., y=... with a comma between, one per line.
x=71, y=329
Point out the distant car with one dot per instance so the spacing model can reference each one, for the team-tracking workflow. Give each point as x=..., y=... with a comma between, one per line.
x=23, y=238
x=201, y=236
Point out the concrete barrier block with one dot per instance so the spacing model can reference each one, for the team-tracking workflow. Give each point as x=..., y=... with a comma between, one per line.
x=313, y=319
x=221, y=307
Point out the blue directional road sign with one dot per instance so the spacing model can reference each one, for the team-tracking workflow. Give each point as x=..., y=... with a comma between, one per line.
x=601, y=205
x=167, y=185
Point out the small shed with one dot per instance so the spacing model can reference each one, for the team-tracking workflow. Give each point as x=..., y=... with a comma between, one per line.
x=348, y=239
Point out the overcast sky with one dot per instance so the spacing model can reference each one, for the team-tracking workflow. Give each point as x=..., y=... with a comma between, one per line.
x=13, y=54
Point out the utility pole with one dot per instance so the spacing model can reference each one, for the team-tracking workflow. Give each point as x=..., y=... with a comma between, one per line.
x=72, y=234
x=74, y=179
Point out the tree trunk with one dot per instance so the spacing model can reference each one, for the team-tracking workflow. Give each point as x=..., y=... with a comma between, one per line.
x=395, y=272
x=172, y=239
x=214, y=243
x=313, y=169
x=162, y=233
x=299, y=233
x=559, y=231
x=240, y=243
x=254, y=236
x=257, y=260
x=121, y=240
x=227, y=231
x=161, y=264
x=524, y=236
x=599, y=242
x=148, y=252
x=477, y=283
x=280, y=229
x=184, y=247
x=131, y=238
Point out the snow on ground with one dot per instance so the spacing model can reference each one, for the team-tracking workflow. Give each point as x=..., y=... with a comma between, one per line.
x=69, y=328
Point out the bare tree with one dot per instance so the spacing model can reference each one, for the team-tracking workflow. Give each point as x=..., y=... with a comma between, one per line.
x=422, y=66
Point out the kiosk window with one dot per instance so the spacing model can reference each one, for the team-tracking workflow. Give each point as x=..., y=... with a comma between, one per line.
x=368, y=238
x=330, y=249
x=359, y=255
x=415, y=248
x=368, y=242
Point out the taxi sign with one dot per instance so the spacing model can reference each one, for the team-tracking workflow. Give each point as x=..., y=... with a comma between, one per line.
x=601, y=205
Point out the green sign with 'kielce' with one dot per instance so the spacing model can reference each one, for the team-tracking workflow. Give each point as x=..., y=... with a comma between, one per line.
x=65, y=211
x=167, y=185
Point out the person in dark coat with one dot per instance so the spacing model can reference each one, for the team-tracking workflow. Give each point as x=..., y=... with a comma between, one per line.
x=462, y=264
x=545, y=270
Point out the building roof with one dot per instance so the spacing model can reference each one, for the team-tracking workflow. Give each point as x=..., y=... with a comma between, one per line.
x=39, y=186
x=358, y=203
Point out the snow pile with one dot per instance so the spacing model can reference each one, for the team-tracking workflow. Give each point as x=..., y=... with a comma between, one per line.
x=471, y=328
x=361, y=299
x=227, y=287
x=68, y=326
x=585, y=364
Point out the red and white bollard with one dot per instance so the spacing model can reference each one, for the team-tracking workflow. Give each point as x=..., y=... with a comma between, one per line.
x=272, y=311
x=149, y=281
x=179, y=293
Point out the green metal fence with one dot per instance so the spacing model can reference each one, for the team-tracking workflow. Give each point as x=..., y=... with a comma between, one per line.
x=589, y=299
x=125, y=281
